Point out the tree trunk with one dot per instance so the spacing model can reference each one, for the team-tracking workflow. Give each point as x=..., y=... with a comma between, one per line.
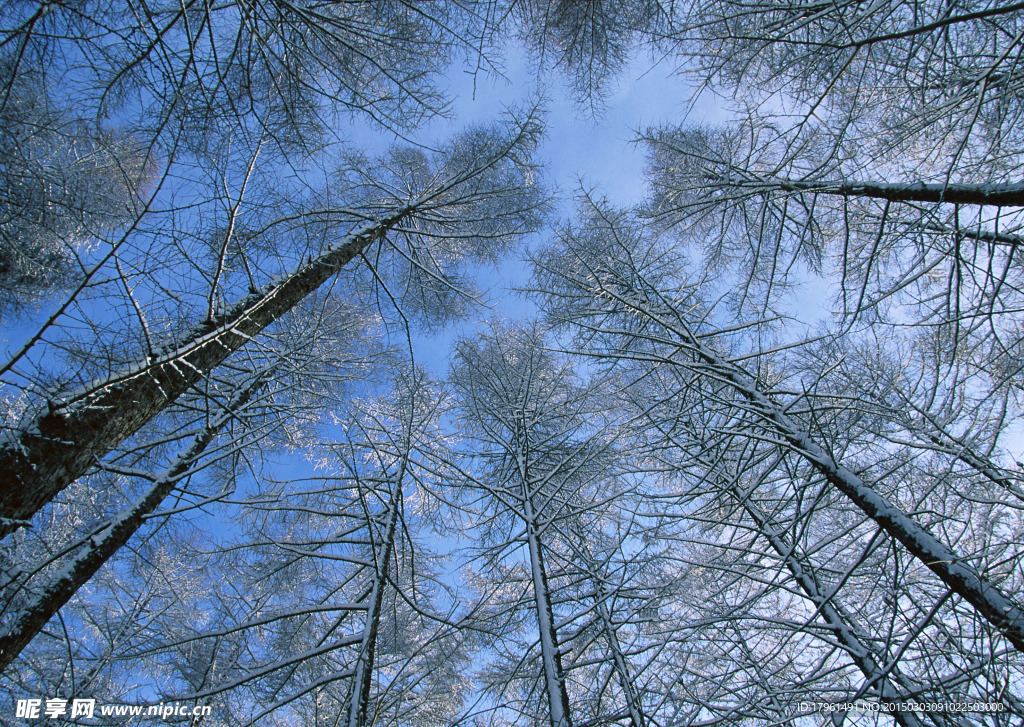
x=554, y=677
x=963, y=580
x=636, y=714
x=61, y=445
x=359, y=694
x=833, y=613
x=958, y=576
x=103, y=544
x=995, y=195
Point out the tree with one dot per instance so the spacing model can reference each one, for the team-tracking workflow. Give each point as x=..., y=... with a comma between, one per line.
x=923, y=331
x=398, y=435
x=613, y=569
x=199, y=67
x=590, y=42
x=262, y=403
x=914, y=375
x=95, y=549
x=509, y=393
x=545, y=466
x=232, y=95
x=546, y=475
x=780, y=203
x=61, y=184
x=215, y=104
x=886, y=162
x=328, y=609
x=478, y=193
x=176, y=96
x=628, y=299
x=730, y=490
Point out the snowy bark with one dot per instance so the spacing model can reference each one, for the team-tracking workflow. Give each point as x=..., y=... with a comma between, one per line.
x=357, y=707
x=985, y=236
x=64, y=442
x=636, y=715
x=837, y=618
x=832, y=612
x=960, y=577
x=554, y=677
x=105, y=542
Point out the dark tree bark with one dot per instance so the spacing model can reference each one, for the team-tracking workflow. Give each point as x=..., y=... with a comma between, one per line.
x=106, y=540
x=995, y=195
x=66, y=440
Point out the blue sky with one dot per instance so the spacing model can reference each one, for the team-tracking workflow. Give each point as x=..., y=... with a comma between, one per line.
x=579, y=149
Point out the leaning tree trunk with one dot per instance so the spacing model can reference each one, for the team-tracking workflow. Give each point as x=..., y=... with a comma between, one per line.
x=1000, y=195
x=61, y=444
x=105, y=541
x=834, y=614
x=991, y=603
x=887, y=683
x=840, y=622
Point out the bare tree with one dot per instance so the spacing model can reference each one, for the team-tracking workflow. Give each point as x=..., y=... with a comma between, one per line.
x=545, y=475
x=777, y=203
x=627, y=299
x=520, y=403
x=479, y=193
x=103, y=542
x=62, y=183
x=947, y=74
x=876, y=147
x=329, y=605
x=267, y=400
x=723, y=478
x=611, y=565
x=276, y=65
x=590, y=42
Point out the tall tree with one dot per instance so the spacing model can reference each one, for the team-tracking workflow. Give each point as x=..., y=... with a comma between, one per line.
x=728, y=488
x=781, y=204
x=331, y=608
x=545, y=463
x=478, y=194
x=590, y=42
x=547, y=477
x=197, y=457
x=524, y=408
x=628, y=298
x=611, y=567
